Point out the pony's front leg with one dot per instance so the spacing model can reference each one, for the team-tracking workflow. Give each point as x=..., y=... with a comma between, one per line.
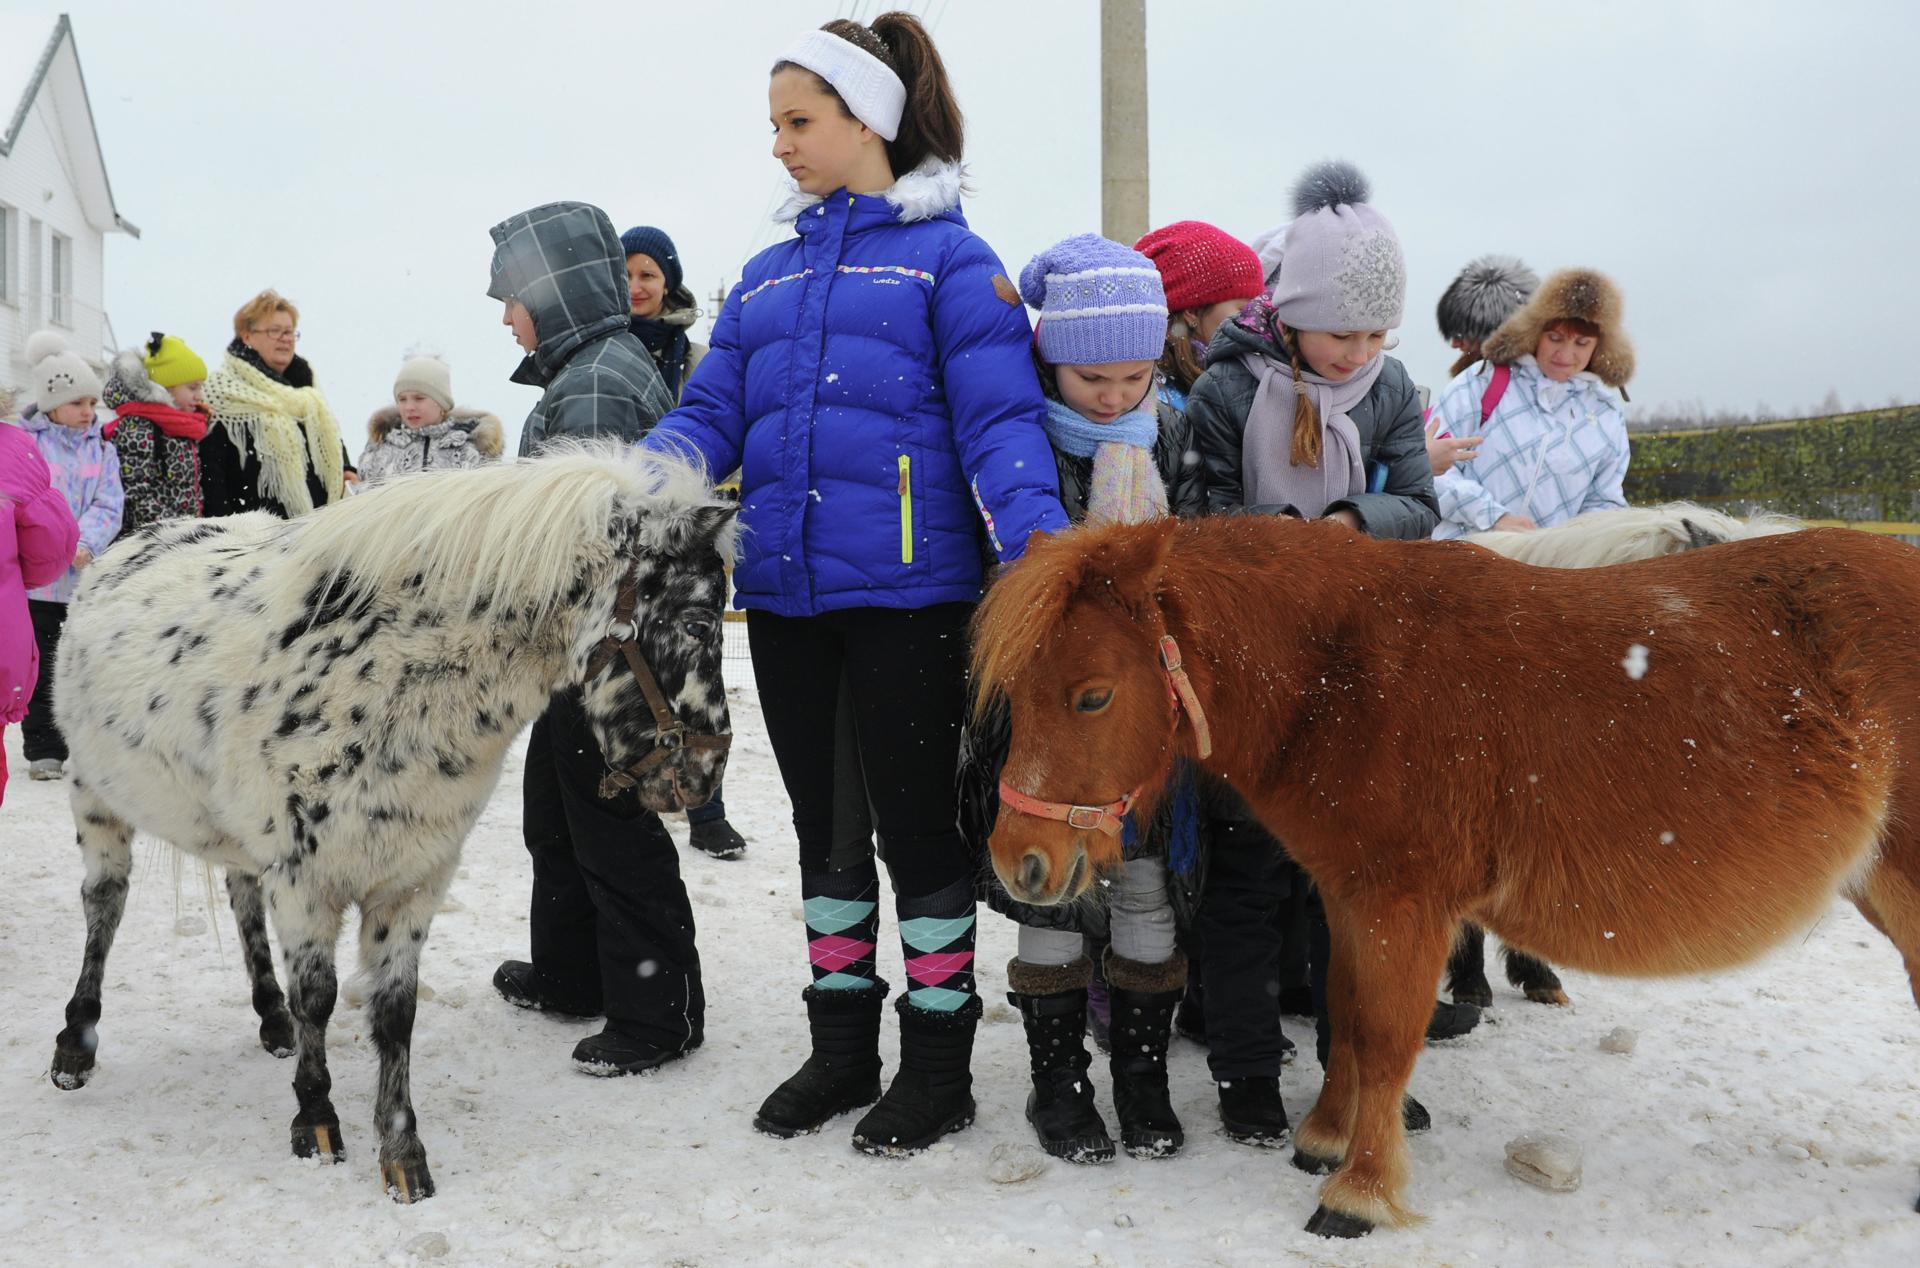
x=250, y=918
x=1396, y=949
x=106, y=850
x=1320, y=1141
x=391, y=937
x=309, y=925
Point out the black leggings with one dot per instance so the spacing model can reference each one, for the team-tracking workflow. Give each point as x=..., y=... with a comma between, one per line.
x=906, y=680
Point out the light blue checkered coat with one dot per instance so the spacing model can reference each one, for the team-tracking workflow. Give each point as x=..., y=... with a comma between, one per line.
x=1551, y=450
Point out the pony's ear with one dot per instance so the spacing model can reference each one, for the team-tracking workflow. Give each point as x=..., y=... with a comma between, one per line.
x=1698, y=537
x=1130, y=563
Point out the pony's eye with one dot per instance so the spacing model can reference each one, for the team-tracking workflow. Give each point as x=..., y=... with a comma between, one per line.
x=1095, y=700
x=699, y=629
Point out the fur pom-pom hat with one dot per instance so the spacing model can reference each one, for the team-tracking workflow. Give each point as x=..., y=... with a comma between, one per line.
x=1341, y=267
x=1488, y=290
x=60, y=376
x=1570, y=294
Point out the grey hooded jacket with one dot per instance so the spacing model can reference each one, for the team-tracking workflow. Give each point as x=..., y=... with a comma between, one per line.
x=1388, y=421
x=564, y=262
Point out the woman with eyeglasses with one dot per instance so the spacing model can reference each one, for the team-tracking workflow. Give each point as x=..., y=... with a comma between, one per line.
x=272, y=443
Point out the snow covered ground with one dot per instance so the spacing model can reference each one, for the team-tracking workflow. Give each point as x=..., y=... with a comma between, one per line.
x=1767, y=1117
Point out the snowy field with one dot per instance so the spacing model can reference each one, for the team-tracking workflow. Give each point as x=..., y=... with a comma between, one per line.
x=1767, y=1117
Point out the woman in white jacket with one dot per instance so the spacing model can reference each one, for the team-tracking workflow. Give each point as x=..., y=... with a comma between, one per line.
x=1549, y=402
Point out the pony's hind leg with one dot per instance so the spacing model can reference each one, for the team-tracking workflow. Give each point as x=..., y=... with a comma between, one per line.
x=1889, y=897
x=1395, y=951
x=1535, y=977
x=106, y=851
x=309, y=926
x=1467, y=967
x=391, y=936
x=250, y=918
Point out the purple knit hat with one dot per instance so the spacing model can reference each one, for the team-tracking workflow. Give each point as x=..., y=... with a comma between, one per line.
x=1099, y=302
x=1340, y=266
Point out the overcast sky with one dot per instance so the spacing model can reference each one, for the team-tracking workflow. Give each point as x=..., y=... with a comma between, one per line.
x=1746, y=171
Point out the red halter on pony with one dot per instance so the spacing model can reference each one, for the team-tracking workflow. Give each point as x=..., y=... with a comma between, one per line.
x=1107, y=818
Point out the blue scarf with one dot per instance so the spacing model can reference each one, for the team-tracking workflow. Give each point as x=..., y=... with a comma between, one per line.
x=1072, y=432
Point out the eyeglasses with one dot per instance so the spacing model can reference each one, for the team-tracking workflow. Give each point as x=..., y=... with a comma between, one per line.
x=277, y=332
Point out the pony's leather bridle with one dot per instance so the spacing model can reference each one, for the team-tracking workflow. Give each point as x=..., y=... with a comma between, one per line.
x=671, y=737
x=1108, y=818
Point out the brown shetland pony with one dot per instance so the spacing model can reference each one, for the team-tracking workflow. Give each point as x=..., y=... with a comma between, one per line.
x=1657, y=768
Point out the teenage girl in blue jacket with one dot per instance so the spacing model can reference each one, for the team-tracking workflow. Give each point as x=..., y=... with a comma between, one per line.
x=871, y=380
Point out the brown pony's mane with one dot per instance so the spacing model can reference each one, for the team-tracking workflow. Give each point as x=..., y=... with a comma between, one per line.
x=1015, y=626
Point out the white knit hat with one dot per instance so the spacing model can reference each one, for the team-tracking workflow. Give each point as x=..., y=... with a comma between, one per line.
x=428, y=376
x=60, y=377
x=868, y=85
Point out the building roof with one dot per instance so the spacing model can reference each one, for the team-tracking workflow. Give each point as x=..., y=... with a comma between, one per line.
x=29, y=67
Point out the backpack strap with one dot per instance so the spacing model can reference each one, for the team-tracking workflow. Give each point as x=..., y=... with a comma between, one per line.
x=1496, y=388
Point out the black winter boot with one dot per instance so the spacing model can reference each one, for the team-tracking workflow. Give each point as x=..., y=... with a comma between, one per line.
x=932, y=1092
x=1450, y=1021
x=843, y=1072
x=524, y=986
x=1053, y=1002
x=1144, y=997
x=1252, y=1113
x=718, y=839
x=614, y=1053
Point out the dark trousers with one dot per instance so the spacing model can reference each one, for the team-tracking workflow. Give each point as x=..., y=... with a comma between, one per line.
x=39, y=737
x=1241, y=926
x=610, y=918
x=905, y=682
x=712, y=812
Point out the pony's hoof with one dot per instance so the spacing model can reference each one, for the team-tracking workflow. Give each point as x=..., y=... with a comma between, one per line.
x=1326, y=1223
x=72, y=1067
x=276, y=1035
x=1314, y=1164
x=1548, y=995
x=319, y=1140
x=407, y=1182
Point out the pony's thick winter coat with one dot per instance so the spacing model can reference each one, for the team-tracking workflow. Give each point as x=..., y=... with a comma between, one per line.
x=325, y=703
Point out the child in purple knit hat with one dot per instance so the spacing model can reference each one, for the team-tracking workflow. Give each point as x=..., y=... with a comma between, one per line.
x=1121, y=457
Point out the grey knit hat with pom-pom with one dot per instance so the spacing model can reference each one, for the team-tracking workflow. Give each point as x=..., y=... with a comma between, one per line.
x=1341, y=267
x=1487, y=292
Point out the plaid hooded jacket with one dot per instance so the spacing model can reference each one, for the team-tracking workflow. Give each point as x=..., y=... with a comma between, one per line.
x=564, y=262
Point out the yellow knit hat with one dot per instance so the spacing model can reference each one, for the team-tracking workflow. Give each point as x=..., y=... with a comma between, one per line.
x=171, y=362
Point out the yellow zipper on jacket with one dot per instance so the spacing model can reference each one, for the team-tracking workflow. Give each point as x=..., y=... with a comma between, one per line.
x=906, y=509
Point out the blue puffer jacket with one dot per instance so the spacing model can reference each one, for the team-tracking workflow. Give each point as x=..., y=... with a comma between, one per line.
x=870, y=378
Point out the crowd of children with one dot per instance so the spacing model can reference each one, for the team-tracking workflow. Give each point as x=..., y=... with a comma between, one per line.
x=899, y=427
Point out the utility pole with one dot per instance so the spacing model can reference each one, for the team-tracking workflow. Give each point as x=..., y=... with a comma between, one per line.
x=1123, y=119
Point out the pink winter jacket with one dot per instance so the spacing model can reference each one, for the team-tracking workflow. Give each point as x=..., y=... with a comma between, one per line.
x=38, y=536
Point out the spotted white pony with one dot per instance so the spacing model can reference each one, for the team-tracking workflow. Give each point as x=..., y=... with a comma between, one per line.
x=322, y=707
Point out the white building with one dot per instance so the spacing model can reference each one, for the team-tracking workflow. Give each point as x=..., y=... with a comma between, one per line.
x=56, y=206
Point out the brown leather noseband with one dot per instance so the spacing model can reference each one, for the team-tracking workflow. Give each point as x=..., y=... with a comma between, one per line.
x=672, y=740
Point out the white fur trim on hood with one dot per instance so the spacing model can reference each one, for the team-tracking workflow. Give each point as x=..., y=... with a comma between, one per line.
x=928, y=190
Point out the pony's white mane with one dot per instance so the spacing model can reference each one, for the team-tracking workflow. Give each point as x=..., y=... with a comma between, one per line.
x=517, y=533
x=1599, y=538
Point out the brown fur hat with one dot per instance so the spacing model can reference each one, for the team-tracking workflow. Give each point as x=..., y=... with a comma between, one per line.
x=1583, y=295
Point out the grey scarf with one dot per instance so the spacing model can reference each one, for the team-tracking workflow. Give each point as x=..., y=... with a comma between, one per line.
x=1269, y=475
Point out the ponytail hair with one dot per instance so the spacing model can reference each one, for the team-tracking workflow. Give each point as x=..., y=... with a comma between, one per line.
x=1305, y=450
x=1177, y=362
x=931, y=126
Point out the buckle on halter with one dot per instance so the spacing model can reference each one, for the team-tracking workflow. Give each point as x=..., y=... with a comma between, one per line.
x=1086, y=818
x=623, y=631
x=671, y=737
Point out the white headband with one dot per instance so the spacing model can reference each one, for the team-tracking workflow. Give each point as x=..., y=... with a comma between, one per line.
x=872, y=92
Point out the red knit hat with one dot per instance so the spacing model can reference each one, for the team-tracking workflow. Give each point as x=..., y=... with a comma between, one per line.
x=1201, y=265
